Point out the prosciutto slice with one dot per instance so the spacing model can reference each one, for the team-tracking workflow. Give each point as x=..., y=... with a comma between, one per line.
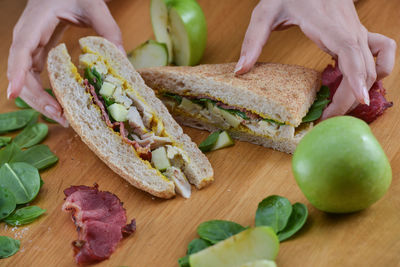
x=332, y=77
x=100, y=220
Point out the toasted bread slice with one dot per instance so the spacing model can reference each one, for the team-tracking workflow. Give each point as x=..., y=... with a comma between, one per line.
x=86, y=120
x=280, y=92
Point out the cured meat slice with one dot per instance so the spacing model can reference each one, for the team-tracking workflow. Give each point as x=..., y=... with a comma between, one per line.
x=100, y=220
x=332, y=77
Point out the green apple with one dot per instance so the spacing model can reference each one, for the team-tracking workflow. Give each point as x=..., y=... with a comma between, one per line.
x=149, y=54
x=340, y=166
x=259, y=263
x=253, y=244
x=181, y=25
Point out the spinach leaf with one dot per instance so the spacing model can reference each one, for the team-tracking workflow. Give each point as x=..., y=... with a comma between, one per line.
x=296, y=221
x=236, y=112
x=8, y=152
x=24, y=215
x=15, y=120
x=209, y=142
x=184, y=261
x=218, y=230
x=38, y=156
x=201, y=101
x=177, y=98
x=7, y=202
x=22, y=179
x=274, y=211
x=194, y=246
x=31, y=135
x=4, y=140
x=21, y=103
x=8, y=246
x=315, y=111
x=94, y=78
x=272, y=121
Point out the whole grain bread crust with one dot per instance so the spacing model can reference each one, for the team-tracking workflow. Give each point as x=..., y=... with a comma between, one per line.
x=276, y=91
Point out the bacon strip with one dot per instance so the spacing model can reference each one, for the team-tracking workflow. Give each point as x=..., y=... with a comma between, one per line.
x=144, y=152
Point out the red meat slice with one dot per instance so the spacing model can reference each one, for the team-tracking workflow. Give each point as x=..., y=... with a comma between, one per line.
x=100, y=220
x=332, y=77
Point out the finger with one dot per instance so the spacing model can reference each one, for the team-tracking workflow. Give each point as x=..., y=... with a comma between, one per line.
x=369, y=61
x=342, y=101
x=384, y=49
x=101, y=20
x=352, y=66
x=34, y=95
x=256, y=36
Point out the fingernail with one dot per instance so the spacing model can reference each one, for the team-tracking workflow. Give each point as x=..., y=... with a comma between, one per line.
x=365, y=95
x=51, y=110
x=9, y=91
x=239, y=65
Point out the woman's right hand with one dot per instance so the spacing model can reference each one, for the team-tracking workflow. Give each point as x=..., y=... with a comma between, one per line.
x=39, y=28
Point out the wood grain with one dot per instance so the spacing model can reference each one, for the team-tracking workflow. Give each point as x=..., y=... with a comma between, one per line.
x=244, y=174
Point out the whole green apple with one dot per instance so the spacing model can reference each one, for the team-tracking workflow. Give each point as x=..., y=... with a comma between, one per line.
x=340, y=166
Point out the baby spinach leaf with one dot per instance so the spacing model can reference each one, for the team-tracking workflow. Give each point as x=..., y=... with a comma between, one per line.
x=4, y=140
x=194, y=246
x=7, y=202
x=38, y=156
x=31, y=135
x=218, y=230
x=184, y=261
x=24, y=215
x=272, y=121
x=22, y=179
x=296, y=221
x=21, y=103
x=94, y=78
x=177, y=98
x=15, y=120
x=209, y=142
x=315, y=111
x=274, y=211
x=8, y=246
x=8, y=152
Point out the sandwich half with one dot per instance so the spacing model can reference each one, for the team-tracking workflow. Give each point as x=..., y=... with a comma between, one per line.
x=265, y=106
x=123, y=122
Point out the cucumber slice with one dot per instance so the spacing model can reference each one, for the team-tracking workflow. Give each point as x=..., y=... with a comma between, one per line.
x=250, y=245
x=149, y=54
x=159, y=159
x=224, y=140
x=107, y=89
x=259, y=263
x=159, y=21
x=230, y=118
x=118, y=112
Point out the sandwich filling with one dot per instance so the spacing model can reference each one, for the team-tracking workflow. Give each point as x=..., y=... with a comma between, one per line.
x=127, y=114
x=228, y=117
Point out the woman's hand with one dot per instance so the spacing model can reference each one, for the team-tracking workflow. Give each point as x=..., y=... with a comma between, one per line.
x=38, y=29
x=335, y=27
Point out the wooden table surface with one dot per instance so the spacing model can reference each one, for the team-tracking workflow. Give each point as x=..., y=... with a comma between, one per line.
x=244, y=174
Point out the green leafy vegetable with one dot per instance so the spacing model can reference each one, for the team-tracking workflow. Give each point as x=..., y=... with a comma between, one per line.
x=315, y=111
x=274, y=211
x=4, y=140
x=7, y=202
x=8, y=246
x=218, y=230
x=296, y=221
x=21, y=103
x=108, y=101
x=15, y=120
x=272, y=121
x=8, y=152
x=201, y=101
x=209, y=142
x=22, y=179
x=177, y=98
x=194, y=246
x=31, y=135
x=94, y=78
x=236, y=112
x=38, y=156
x=24, y=215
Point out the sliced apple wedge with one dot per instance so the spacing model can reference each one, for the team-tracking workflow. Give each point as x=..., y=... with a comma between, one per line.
x=259, y=263
x=259, y=243
x=181, y=25
x=149, y=54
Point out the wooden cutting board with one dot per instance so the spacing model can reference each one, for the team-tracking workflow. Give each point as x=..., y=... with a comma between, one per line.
x=244, y=174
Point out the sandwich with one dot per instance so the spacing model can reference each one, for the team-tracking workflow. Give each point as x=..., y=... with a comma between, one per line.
x=268, y=106
x=121, y=120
